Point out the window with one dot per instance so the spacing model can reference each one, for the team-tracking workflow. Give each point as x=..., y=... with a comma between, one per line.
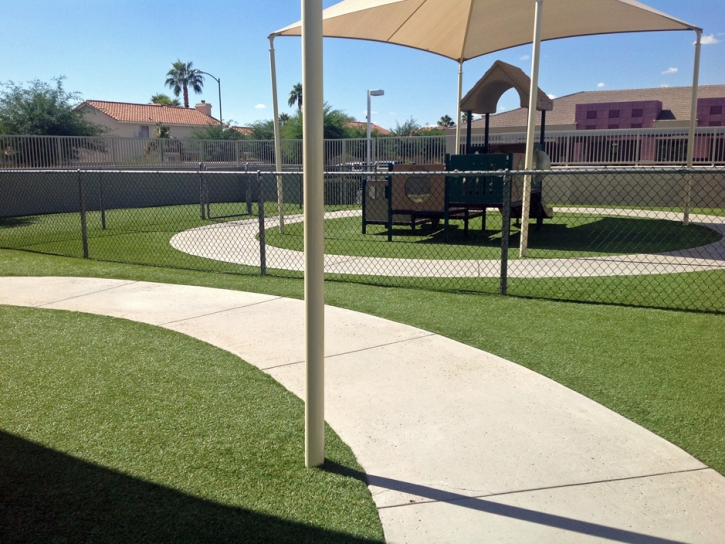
x=591, y=115
x=614, y=114
x=591, y=127
x=716, y=110
x=144, y=132
x=715, y=123
x=613, y=126
x=636, y=125
x=637, y=113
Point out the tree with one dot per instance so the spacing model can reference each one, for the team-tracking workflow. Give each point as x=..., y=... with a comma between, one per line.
x=295, y=95
x=262, y=130
x=217, y=132
x=283, y=119
x=182, y=76
x=48, y=110
x=408, y=128
x=335, y=125
x=446, y=122
x=43, y=109
x=164, y=100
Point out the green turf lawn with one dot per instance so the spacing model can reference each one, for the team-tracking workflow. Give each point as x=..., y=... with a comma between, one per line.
x=566, y=235
x=142, y=236
x=661, y=369
x=116, y=431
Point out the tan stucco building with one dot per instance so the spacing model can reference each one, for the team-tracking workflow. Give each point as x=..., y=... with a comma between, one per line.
x=125, y=120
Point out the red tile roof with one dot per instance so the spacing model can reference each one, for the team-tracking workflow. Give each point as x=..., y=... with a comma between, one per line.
x=150, y=113
x=361, y=124
x=676, y=99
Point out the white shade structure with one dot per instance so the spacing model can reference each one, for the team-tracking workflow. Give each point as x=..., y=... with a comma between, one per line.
x=465, y=29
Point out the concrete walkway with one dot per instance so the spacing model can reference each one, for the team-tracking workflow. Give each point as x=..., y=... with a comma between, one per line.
x=459, y=445
x=236, y=242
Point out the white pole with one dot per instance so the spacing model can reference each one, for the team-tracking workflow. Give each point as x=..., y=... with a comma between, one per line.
x=313, y=167
x=457, y=149
x=277, y=143
x=693, y=124
x=367, y=142
x=530, y=129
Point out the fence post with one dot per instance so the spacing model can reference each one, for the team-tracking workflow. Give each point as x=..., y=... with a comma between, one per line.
x=364, y=209
x=201, y=192
x=505, y=231
x=248, y=195
x=389, y=196
x=262, y=242
x=82, y=202
x=100, y=201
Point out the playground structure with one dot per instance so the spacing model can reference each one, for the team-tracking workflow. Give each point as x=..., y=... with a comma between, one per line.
x=412, y=195
x=419, y=198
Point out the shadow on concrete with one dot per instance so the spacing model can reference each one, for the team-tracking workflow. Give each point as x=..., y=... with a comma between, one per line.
x=495, y=508
x=47, y=496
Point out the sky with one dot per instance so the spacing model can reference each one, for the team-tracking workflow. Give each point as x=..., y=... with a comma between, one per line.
x=120, y=50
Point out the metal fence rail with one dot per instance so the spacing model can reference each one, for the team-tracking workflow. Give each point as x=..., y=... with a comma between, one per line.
x=625, y=147
x=632, y=147
x=608, y=236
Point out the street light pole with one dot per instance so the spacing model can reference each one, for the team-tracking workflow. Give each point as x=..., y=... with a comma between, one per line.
x=219, y=83
x=371, y=92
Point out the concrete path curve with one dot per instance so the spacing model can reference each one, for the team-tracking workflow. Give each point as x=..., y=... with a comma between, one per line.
x=236, y=242
x=459, y=445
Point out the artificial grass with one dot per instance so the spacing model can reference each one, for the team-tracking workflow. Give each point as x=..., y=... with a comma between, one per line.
x=116, y=431
x=566, y=235
x=661, y=369
x=141, y=236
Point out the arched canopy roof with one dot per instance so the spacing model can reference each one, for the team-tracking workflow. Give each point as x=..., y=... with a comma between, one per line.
x=465, y=29
x=484, y=96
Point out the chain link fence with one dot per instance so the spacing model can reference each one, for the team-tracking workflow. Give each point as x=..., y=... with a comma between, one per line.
x=640, y=237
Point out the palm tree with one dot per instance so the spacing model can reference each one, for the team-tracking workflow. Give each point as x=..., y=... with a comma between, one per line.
x=446, y=121
x=164, y=100
x=181, y=77
x=284, y=118
x=295, y=95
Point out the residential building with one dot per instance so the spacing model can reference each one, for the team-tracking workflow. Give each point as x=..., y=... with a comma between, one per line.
x=123, y=119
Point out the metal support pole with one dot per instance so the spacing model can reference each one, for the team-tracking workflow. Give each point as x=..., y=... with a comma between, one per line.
x=533, y=96
x=691, y=135
x=457, y=150
x=202, y=213
x=367, y=138
x=101, y=205
x=313, y=167
x=543, y=129
x=277, y=141
x=248, y=195
x=389, y=197
x=469, y=128
x=84, y=227
x=488, y=122
x=505, y=231
x=262, y=241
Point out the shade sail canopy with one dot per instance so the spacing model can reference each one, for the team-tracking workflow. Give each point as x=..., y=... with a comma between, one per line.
x=465, y=29
x=484, y=96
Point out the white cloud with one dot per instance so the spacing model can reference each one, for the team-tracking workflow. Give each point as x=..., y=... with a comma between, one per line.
x=552, y=96
x=600, y=85
x=502, y=108
x=665, y=85
x=260, y=106
x=670, y=70
x=709, y=40
x=524, y=57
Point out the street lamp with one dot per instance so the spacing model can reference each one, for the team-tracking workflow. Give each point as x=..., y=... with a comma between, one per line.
x=371, y=92
x=219, y=83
